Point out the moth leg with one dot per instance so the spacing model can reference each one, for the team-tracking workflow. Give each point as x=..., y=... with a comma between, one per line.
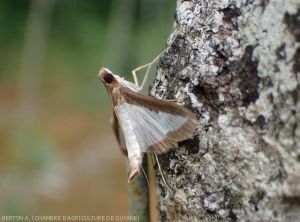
x=162, y=175
x=134, y=73
x=147, y=78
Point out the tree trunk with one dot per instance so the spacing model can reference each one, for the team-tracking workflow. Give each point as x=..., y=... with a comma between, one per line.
x=236, y=64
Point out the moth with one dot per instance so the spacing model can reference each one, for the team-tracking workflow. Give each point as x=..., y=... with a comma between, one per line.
x=147, y=123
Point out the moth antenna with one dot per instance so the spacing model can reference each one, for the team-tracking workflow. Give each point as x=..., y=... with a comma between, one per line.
x=145, y=175
x=162, y=175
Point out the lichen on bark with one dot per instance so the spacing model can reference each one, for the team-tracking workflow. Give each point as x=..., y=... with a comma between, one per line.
x=236, y=65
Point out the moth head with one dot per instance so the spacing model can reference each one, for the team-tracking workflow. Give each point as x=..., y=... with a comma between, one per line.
x=106, y=76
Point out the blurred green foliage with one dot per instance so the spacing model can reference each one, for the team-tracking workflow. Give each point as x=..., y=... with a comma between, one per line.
x=61, y=108
x=82, y=39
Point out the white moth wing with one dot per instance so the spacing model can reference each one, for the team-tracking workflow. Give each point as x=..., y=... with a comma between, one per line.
x=144, y=128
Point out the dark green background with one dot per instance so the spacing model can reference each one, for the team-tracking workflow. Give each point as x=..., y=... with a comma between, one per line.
x=58, y=154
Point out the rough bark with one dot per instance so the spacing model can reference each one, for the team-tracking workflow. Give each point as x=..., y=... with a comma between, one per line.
x=236, y=64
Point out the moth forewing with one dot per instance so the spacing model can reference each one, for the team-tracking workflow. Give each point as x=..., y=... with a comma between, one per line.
x=134, y=146
x=176, y=122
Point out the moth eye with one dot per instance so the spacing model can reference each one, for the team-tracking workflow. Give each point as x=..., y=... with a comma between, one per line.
x=108, y=78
